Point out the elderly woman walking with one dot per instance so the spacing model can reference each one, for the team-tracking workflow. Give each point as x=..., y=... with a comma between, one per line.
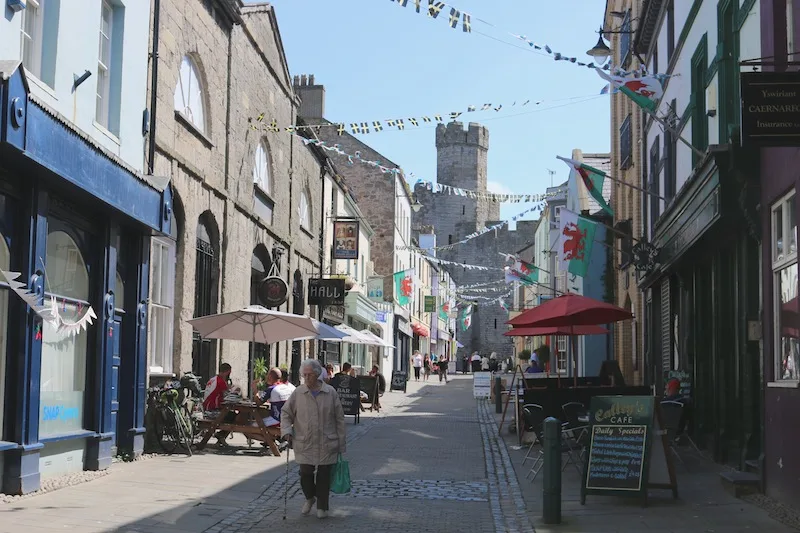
x=312, y=420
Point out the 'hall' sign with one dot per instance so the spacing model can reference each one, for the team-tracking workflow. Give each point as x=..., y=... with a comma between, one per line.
x=770, y=108
x=326, y=291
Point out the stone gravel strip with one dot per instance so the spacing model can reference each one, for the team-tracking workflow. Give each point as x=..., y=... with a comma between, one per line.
x=505, y=495
x=270, y=502
x=420, y=489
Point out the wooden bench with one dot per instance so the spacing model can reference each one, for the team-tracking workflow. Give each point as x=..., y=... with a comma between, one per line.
x=259, y=432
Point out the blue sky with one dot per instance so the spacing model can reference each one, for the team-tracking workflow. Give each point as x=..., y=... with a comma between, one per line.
x=378, y=60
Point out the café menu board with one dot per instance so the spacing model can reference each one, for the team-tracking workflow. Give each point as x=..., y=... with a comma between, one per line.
x=618, y=456
x=349, y=390
x=616, y=459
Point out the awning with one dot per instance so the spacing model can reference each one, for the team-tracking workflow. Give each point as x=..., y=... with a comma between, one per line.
x=420, y=329
x=443, y=334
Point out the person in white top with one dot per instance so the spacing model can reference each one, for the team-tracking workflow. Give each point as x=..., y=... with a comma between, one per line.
x=416, y=362
x=485, y=364
x=475, y=361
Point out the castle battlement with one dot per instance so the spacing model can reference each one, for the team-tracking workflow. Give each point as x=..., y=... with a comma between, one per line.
x=455, y=134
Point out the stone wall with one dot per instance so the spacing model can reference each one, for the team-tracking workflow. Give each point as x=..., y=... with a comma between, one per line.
x=244, y=74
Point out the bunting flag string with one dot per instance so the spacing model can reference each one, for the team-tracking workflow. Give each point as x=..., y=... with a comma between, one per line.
x=454, y=263
x=352, y=158
x=378, y=126
x=493, y=196
x=474, y=235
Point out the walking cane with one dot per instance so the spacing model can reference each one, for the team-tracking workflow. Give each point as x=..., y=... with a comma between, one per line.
x=286, y=482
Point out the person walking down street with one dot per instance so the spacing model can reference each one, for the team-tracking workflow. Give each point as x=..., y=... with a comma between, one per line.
x=485, y=364
x=416, y=362
x=426, y=365
x=312, y=421
x=465, y=364
x=475, y=361
x=443, y=360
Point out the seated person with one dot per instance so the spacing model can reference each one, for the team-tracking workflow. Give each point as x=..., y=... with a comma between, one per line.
x=347, y=369
x=212, y=400
x=276, y=394
x=533, y=368
x=330, y=372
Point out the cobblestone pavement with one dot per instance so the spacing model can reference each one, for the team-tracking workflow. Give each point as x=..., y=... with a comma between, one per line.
x=430, y=461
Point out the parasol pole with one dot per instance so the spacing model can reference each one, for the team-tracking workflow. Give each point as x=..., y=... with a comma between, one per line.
x=574, y=356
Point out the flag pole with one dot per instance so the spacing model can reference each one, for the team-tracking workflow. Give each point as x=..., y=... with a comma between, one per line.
x=672, y=130
x=642, y=189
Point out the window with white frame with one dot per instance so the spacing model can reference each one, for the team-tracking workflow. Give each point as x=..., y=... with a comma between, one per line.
x=162, y=305
x=189, y=99
x=103, y=106
x=561, y=354
x=38, y=39
x=305, y=211
x=787, y=305
x=261, y=175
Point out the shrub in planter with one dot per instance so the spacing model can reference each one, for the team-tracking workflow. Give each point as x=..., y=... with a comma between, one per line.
x=524, y=355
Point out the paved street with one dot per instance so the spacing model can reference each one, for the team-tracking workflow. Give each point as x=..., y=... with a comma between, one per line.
x=430, y=462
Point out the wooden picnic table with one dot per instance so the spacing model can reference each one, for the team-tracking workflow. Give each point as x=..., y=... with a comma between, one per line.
x=257, y=432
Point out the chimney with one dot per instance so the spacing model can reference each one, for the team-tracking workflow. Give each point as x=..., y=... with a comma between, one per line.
x=312, y=98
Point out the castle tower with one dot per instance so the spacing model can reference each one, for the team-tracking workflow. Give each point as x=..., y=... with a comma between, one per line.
x=462, y=162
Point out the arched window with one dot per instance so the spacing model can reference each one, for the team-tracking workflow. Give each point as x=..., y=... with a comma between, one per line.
x=189, y=95
x=64, y=357
x=305, y=211
x=261, y=168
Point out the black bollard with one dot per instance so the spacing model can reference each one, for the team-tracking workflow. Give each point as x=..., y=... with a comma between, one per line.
x=551, y=487
x=498, y=395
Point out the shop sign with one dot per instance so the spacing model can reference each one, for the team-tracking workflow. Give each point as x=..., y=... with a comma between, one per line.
x=404, y=327
x=380, y=316
x=430, y=304
x=770, y=108
x=273, y=291
x=345, y=242
x=334, y=313
x=326, y=291
x=375, y=289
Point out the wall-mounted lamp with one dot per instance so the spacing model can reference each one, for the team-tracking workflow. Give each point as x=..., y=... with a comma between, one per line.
x=78, y=80
x=16, y=5
x=601, y=52
x=415, y=205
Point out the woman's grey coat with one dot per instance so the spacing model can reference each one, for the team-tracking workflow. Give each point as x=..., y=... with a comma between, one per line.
x=316, y=425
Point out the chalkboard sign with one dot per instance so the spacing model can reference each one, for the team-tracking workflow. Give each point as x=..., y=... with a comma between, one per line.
x=349, y=390
x=369, y=386
x=627, y=449
x=684, y=377
x=399, y=380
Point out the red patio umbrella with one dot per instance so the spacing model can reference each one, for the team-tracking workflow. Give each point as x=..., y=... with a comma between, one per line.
x=524, y=331
x=571, y=310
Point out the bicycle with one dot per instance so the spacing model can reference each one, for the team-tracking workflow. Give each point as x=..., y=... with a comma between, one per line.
x=173, y=423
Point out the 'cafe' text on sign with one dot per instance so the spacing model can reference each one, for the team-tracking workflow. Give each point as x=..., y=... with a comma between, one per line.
x=620, y=413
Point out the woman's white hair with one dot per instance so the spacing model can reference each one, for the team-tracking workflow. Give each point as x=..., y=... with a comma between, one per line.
x=316, y=366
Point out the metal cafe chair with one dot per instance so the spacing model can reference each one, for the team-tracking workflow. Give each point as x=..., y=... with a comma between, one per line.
x=532, y=418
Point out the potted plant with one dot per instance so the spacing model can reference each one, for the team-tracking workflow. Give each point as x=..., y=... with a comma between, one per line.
x=524, y=355
x=543, y=353
x=260, y=373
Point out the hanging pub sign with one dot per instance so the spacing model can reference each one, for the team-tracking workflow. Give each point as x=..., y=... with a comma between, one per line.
x=326, y=291
x=273, y=291
x=345, y=241
x=770, y=108
x=375, y=289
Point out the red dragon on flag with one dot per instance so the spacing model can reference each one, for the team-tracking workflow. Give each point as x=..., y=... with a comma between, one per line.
x=574, y=242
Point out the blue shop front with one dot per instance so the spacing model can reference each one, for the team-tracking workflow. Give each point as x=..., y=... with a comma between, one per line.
x=75, y=227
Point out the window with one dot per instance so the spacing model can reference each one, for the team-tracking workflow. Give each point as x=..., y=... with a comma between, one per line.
x=557, y=215
x=449, y=239
x=31, y=37
x=5, y=264
x=625, y=41
x=670, y=29
x=161, y=305
x=305, y=211
x=463, y=209
x=104, y=64
x=626, y=144
x=787, y=304
x=654, y=185
x=64, y=357
x=670, y=151
x=698, y=98
x=561, y=354
x=790, y=29
x=261, y=169
x=189, y=95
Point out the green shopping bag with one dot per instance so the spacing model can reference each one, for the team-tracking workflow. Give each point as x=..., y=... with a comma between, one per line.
x=340, y=477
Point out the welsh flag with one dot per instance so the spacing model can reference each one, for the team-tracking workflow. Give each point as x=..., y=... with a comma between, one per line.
x=523, y=272
x=575, y=242
x=466, y=318
x=404, y=286
x=592, y=179
x=645, y=91
x=444, y=310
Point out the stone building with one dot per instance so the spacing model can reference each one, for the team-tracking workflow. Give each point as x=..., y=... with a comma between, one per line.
x=385, y=202
x=245, y=199
x=626, y=153
x=462, y=162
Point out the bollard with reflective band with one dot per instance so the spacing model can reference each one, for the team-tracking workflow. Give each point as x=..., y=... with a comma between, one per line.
x=551, y=486
x=498, y=395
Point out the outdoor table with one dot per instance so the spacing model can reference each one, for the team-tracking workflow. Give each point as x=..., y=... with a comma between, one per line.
x=259, y=431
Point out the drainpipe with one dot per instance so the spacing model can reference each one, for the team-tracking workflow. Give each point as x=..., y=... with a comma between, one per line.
x=322, y=222
x=151, y=141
